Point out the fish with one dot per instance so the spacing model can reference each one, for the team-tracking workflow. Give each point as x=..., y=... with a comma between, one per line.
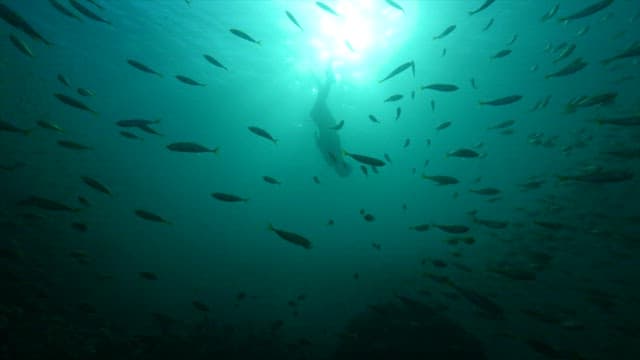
x=367, y=160
x=337, y=127
x=387, y=157
x=420, y=228
x=437, y=263
x=17, y=21
x=631, y=51
x=8, y=127
x=488, y=306
x=63, y=10
x=326, y=8
x=406, y=143
x=149, y=216
x=620, y=121
x=492, y=224
x=45, y=204
x=440, y=87
x=88, y=13
x=445, y=32
x=433, y=105
x=74, y=103
x=241, y=34
x=587, y=11
x=200, y=306
x=488, y=191
x=551, y=352
x=82, y=200
x=513, y=272
x=81, y=227
x=85, y=92
x=292, y=237
x=452, y=229
x=623, y=78
x=271, y=180
x=531, y=185
x=191, y=147
x=463, y=153
x=551, y=13
x=349, y=46
x=94, y=3
x=443, y=126
x=73, y=145
x=293, y=20
x=400, y=69
x=583, y=30
x=228, y=197
x=398, y=112
x=630, y=153
x=489, y=24
x=482, y=7
x=189, y=81
x=316, y=180
x=21, y=46
x=565, y=53
x=214, y=62
x=262, y=133
x=63, y=80
x=546, y=101
x=395, y=5
x=374, y=119
x=147, y=275
x=575, y=66
x=501, y=54
x=473, y=83
x=600, y=176
x=514, y=38
x=502, y=125
x=537, y=106
x=142, y=67
x=96, y=185
x=502, y=101
x=393, y=98
x=603, y=99
x=129, y=135
x=444, y=52
x=618, y=35
x=49, y=126
x=441, y=179
x=560, y=46
x=32, y=217
x=369, y=218
x=142, y=124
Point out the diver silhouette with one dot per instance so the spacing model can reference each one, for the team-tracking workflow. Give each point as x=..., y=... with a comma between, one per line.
x=327, y=137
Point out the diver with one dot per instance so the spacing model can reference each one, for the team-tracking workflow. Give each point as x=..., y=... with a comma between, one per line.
x=327, y=137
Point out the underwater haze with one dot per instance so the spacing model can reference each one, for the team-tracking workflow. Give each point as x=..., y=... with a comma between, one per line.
x=340, y=179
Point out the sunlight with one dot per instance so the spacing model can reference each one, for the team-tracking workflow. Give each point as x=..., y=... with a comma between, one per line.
x=363, y=28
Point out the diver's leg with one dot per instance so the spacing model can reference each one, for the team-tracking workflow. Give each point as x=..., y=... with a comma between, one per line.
x=323, y=92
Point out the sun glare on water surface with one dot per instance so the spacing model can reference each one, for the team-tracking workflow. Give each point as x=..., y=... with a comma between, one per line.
x=362, y=31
